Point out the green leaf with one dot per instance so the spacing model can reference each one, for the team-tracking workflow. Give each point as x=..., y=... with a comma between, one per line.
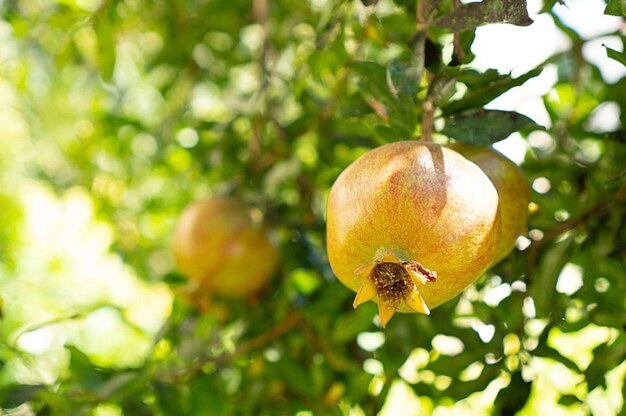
x=568, y=400
x=616, y=8
x=546, y=352
x=549, y=4
x=403, y=77
x=296, y=376
x=465, y=388
x=606, y=358
x=397, y=110
x=543, y=289
x=105, y=27
x=616, y=55
x=485, y=87
x=171, y=398
x=483, y=127
x=205, y=397
x=453, y=366
x=374, y=78
x=470, y=16
x=511, y=399
x=350, y=324
x=442, y=89
x=83, y=371
x=13, y=395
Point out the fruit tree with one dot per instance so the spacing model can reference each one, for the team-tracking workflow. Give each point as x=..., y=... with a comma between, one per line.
x=316, y=207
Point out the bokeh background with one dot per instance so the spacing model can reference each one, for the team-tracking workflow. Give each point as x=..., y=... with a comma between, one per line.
x=115, y=114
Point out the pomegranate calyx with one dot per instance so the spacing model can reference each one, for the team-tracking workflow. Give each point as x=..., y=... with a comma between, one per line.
x=366, y=292
x=394, y=281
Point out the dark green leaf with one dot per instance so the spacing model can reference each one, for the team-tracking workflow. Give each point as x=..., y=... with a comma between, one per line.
x=442, y=89
x=465, y=388
x=546, y=352
x=84, y=373
x=404, y=78
x=616, y=55
x=452, y=366
x=568, y=400
x=172, y=399
x=395, y=110
x=483, y=127
x=13, y=395
x=605, y=358
x=616, y=8
x=513, y=398
x=484, y=88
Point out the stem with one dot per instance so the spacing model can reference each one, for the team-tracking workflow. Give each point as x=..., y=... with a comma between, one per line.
x=428, y=110
x=428, y=120
x=260, y=10
x=459, y=53
x=419, y=13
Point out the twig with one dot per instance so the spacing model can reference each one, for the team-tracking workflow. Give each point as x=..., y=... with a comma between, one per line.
x=428, y=110
x=260, y=10
x=419, y=13
x=458, y=51
x=265, y=338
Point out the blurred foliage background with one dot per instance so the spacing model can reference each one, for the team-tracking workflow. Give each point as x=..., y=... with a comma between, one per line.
x=115, y=114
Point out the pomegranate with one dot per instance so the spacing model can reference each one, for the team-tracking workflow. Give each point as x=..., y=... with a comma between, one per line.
x=223, y=248
x=410, y=225
x=513, y=190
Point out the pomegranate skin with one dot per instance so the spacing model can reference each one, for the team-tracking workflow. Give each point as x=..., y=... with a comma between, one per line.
x=422, y=203
x=513, y=190
x=220, y=247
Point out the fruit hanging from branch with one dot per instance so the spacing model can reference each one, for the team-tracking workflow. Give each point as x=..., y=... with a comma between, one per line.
x=223, y=248
x=410, y=225
x=513, y=191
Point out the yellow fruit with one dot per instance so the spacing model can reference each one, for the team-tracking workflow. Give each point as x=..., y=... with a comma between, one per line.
x=513, y=190
x=410, y=225
x=220, y=246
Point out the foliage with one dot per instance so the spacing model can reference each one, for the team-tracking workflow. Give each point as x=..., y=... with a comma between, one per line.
x=116, y=114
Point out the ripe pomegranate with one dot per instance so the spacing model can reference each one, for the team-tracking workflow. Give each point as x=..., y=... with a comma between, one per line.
x=410, y=225
x=513, y=190
x=222, y=248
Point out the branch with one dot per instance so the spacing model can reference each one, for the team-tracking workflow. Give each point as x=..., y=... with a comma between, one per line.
x=458, y=52
x=470, y=16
